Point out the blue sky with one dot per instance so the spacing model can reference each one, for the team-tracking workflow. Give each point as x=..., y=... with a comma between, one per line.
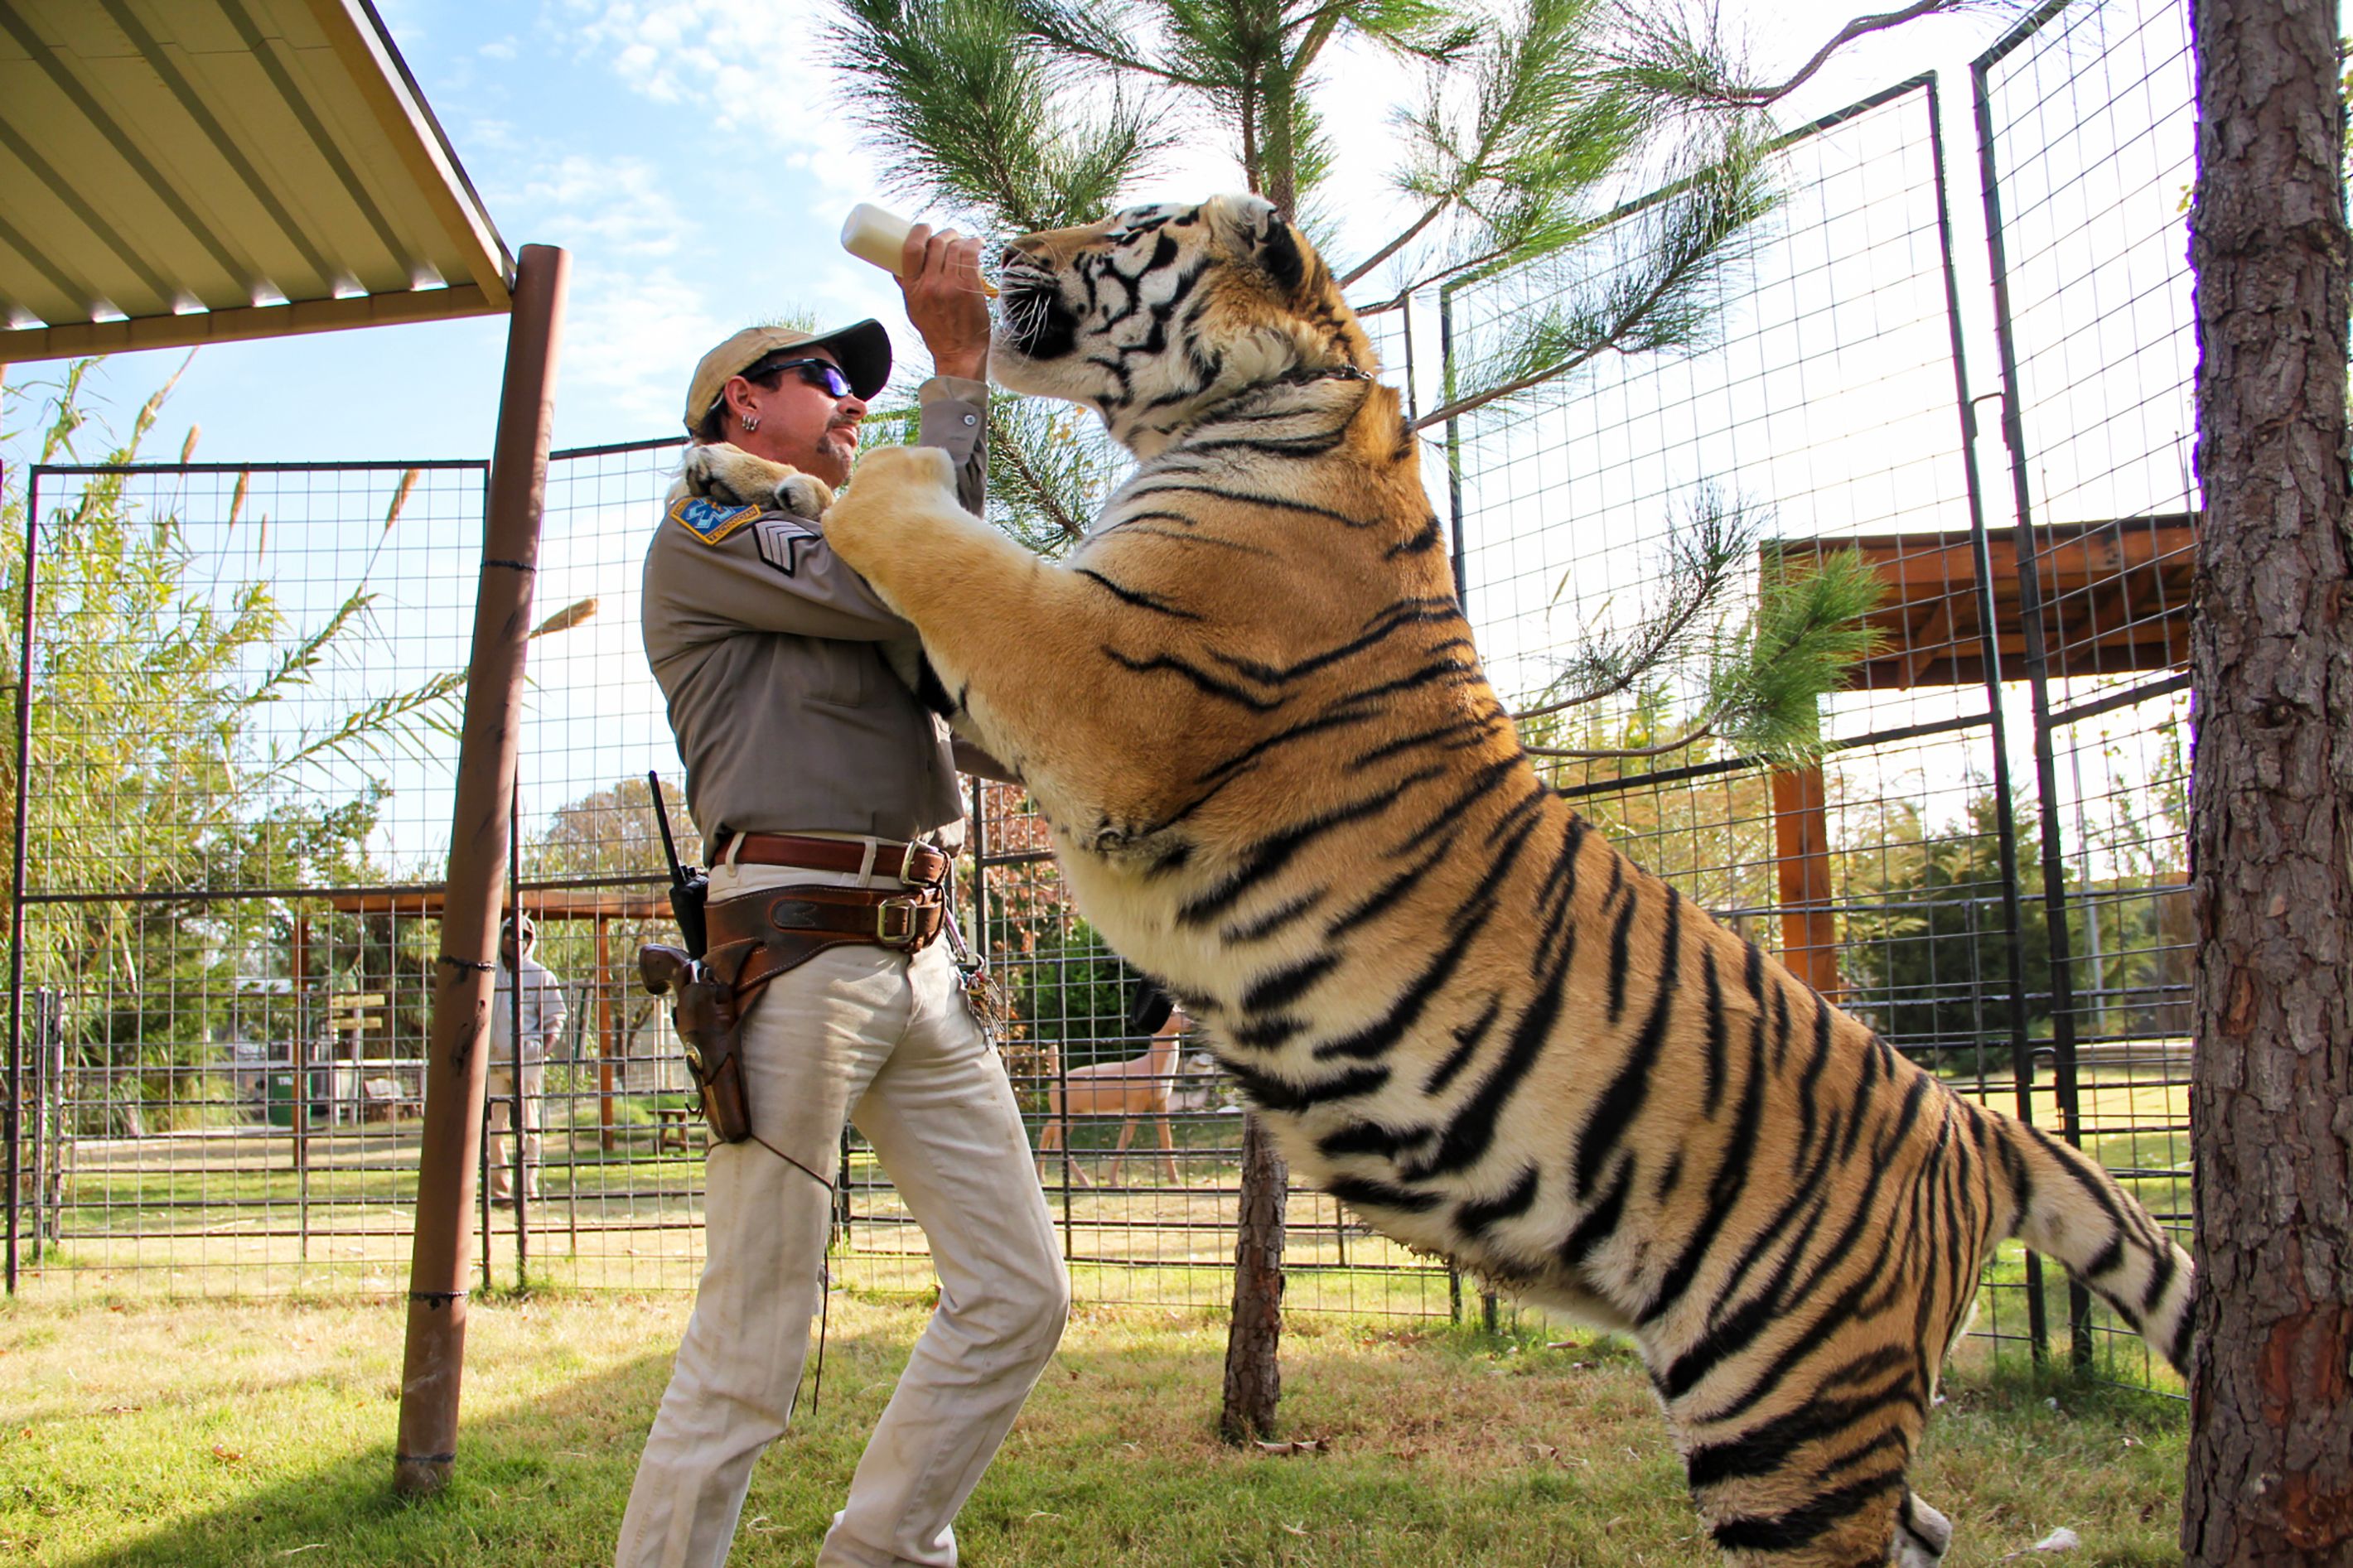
x=694, y=158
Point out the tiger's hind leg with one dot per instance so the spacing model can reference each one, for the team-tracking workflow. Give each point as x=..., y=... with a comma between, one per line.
x=1845, y=1522
x=1803, y=1466
x=1922, y=1534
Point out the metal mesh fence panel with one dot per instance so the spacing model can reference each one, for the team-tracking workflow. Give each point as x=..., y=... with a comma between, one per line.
x=244, y=685
x=241, y=680
x=1831, y=409
x=2086, y=121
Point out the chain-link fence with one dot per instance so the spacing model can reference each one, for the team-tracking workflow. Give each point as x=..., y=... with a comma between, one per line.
x=242, y=680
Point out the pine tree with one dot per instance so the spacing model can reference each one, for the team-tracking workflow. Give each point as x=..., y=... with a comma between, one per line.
x=2270, y=837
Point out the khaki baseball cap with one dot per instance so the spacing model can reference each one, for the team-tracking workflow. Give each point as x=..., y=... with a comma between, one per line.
x=862, y=349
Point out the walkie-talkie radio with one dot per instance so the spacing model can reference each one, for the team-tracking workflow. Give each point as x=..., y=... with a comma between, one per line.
x=704, y=1013
x=689, y=887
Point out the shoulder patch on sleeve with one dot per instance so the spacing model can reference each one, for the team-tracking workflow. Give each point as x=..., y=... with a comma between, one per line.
x=781, y=542
x=707, y=519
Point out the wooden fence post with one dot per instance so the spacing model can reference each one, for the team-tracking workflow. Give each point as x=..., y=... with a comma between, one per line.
x=435, y=1359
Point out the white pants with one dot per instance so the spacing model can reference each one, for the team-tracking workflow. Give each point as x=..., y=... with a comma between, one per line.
x=499, y=1085
x=861, y=1032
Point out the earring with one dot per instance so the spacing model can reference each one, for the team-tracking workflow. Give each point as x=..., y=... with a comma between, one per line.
x=751, y=421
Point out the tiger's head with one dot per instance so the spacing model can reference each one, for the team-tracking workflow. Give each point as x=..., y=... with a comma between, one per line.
x=1158, y=314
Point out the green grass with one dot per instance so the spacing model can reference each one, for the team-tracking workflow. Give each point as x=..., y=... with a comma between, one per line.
x=140, y=1433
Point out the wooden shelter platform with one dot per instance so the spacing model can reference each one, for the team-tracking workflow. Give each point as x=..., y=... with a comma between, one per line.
x=2115, y=597
x=206, y=170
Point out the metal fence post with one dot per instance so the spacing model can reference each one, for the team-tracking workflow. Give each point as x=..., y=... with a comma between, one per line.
x=2021, y=1053
x=523, y=1175
x=433, y=1365
x=2030, y=620
x=16, y=879
x=1453, y=449
x=37, y=1184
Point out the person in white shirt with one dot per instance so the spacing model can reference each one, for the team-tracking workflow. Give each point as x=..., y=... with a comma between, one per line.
x=520, y=1075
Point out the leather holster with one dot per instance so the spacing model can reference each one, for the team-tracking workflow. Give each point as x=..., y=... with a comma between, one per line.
x=755, y=938
x=710, y=1026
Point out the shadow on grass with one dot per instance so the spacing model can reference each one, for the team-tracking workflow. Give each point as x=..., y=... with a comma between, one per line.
x=1442, y=1447
x=1114, y=1462
x=539, y=1481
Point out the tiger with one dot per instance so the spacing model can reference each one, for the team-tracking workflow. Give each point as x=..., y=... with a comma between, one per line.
x=1249, y=709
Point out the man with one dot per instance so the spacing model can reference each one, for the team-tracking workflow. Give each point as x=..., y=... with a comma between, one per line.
x=525, y=1071
x=811, y=767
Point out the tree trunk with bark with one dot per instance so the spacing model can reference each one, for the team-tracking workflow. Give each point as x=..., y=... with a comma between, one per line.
x=1253, y=1378
x=2271, y=1452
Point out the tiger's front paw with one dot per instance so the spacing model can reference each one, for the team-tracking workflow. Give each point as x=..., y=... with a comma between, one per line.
x=731, y=476
x=805, y=496
x=892, y=489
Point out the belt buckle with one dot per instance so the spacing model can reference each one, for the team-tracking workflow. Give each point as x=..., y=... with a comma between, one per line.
x=907, y=877
x=906, y=908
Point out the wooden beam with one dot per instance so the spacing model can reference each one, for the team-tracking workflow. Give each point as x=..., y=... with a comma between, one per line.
x=1930, y=642
x=1801, y=855
x=74, y=340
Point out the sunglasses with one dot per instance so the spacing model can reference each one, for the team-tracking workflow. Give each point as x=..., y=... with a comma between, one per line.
x=818, y=372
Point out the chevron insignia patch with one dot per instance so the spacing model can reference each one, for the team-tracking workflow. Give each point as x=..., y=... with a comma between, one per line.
x=707, y=519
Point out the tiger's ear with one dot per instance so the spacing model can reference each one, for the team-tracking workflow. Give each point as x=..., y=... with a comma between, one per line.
x=1255, y=230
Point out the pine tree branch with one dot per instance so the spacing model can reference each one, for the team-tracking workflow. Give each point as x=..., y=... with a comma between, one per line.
x=1538, y=127
x=1480, y=399
x=1452, y=270
x=1079, y=34
x=1321, y=25
x=1430, y=214
x=1659, y=311
x=1706, y=549
x=1759, y=97
x=1041, y=492
x=1664, y=63
x=1704, y=730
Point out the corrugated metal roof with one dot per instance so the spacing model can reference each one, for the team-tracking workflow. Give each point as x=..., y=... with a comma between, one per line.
x=186, y=171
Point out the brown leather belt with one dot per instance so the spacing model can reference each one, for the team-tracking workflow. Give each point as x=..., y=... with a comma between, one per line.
x=785, y=927
x=914, y=865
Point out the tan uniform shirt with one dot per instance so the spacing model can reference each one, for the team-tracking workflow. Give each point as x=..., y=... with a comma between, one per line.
x=769, y=651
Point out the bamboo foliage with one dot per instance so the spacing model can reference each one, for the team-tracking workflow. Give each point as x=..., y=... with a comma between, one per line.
x=159, y=775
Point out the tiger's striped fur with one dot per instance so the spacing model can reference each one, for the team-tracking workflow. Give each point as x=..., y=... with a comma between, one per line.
x=1276, y=778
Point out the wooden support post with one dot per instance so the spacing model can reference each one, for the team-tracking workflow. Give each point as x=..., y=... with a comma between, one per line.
x=456, y=1048
x=298, y=1057
x=1801, y=854
x=609, y=1033
x=299, y=1109
x=1254, y=1337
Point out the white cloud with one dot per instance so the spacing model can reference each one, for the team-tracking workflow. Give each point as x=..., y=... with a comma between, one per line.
x=614, y=206
x=753, y=67
x=631, y=337
x=637, y=312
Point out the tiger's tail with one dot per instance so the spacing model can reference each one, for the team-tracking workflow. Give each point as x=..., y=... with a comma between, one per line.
x=2070, y=1208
